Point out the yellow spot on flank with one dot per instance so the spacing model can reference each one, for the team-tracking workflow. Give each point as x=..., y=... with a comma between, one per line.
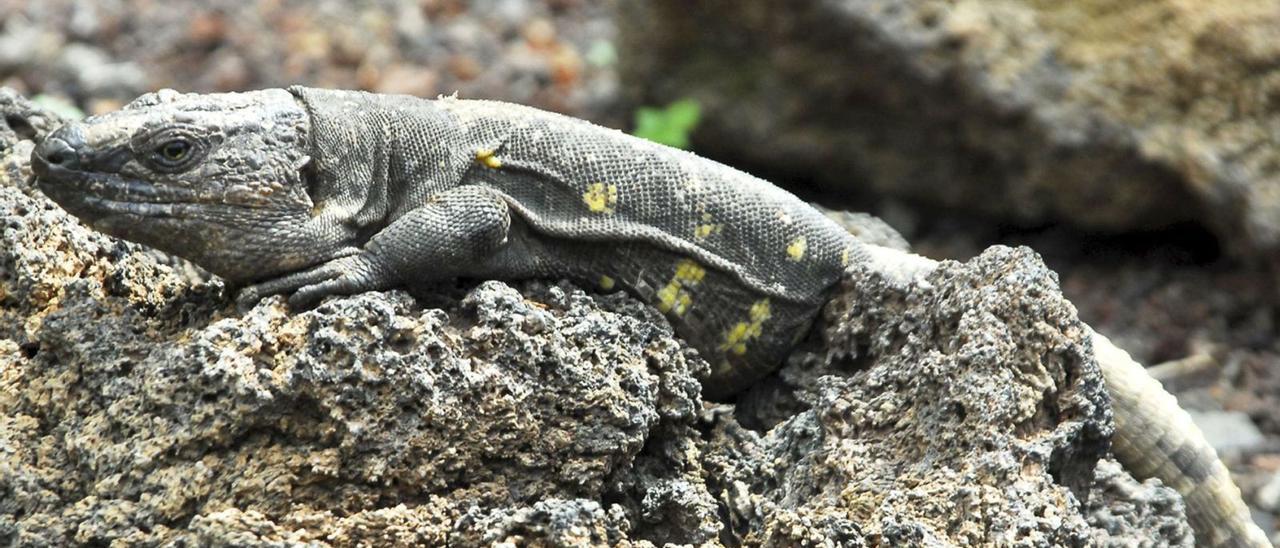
x=844, y=257
x=487, y=157
x=760, y=311
x=668, y=297
x=706, y=228
x=736, y=339
x=675, y=297
x=606, y=282
x=689, y=272
x=601, y=198
x=703, y=232
x=723, y=367
x=796, y=250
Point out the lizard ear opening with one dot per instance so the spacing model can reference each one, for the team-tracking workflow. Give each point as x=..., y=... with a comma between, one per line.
x=309, y=178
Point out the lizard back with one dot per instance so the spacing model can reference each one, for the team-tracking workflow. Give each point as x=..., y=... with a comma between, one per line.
x=739, y=266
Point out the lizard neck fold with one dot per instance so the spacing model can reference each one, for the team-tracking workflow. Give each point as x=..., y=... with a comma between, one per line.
x=376, y=157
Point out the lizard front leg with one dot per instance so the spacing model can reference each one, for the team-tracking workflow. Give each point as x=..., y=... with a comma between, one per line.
x=439, y=240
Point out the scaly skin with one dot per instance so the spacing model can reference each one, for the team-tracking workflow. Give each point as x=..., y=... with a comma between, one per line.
x=316, y=192
x=1156, y=438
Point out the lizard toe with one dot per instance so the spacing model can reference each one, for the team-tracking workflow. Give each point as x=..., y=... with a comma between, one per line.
x=299, y=280
x=345, y=276
x=247, y=298
x=311, y=295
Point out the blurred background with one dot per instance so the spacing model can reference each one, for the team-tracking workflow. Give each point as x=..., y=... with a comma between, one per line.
x=1135, y=145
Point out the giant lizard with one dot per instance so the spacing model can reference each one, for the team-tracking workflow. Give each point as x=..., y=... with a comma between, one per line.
x=312, y=192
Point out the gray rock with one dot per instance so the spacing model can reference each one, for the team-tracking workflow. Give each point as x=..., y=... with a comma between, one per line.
x=95, y=74
x=408, y=46
x=1124, y=512
x=1104, y=117
x=182, y=412
x=1268, y=496
x=979, y=381
x=137, y=406
x=24, y=44
x=867, y=227
x=173, y=418
x=1227, y=431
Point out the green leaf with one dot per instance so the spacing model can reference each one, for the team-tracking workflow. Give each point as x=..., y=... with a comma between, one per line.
x=670, y=125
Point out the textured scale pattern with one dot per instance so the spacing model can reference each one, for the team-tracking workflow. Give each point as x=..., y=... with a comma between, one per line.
x=607, y=208
x=1156, y=438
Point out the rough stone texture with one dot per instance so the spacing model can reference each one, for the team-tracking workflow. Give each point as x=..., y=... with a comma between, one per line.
x=137, y=406
x=1106, y=116
x=140, y=409
x=1120, y=506
x=990, y=350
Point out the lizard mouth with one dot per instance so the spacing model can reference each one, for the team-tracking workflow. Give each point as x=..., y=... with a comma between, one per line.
x=137, y=209
x=98, y=193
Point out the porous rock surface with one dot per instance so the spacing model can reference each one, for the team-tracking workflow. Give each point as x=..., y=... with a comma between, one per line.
x=138, y=406
x=1105, y=115
x=1125, y=512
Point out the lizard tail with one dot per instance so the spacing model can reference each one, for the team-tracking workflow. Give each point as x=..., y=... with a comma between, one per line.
x=1155, y=438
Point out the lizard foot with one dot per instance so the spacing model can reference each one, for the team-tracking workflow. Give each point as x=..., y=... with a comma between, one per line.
x=342, y=276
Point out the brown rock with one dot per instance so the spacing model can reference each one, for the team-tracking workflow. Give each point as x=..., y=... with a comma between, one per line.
x=1108, y=116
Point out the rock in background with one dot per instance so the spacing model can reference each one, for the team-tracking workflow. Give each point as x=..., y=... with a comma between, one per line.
x=1097, y=114
x=553, y=54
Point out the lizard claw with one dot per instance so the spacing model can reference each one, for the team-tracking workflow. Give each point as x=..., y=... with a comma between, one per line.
x=342, y=276
x=309, y=296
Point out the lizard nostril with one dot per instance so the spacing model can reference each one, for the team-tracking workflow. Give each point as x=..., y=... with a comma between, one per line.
x=56, y=152
x=56, y=157
x=62, y=148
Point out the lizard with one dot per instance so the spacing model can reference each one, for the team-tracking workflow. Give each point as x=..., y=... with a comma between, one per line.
x=312, y=192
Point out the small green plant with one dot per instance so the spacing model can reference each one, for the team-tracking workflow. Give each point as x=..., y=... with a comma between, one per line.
x=669, y=125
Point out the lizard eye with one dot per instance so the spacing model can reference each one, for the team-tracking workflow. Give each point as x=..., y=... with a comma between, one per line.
x=173, y=148
x=174, y=151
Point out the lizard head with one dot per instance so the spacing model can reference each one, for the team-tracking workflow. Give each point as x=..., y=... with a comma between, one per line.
x=217, y=179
